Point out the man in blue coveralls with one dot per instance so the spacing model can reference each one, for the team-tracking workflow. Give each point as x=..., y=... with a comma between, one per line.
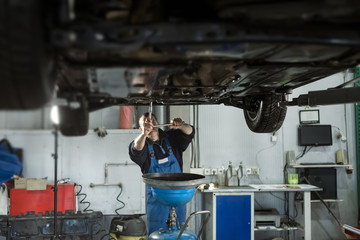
x=158, y=151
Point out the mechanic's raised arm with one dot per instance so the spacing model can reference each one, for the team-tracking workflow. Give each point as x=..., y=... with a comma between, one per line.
x=178, y=123
x=145, y=129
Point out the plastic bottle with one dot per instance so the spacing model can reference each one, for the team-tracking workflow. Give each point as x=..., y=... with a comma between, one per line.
x=222, y=177
x=231, y=176
x=240, y=173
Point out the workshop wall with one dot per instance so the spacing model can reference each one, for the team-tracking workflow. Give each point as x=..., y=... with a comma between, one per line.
x=223, y=137
x=340, y=117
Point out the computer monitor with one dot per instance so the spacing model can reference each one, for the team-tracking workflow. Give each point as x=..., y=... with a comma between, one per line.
x=314, y=135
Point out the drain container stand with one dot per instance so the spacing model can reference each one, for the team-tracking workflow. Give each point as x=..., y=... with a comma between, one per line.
x=173, y=190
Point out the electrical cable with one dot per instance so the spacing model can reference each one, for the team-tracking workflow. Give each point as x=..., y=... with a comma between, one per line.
x=57, y=237
x=258, y=204
x=342, y=136
x=304, y=152
x=123, y=204
x=82, y=201
x=110, y=237
x=99, y=230
x=277, y=196
x=286, y=205
x=285, y=170
x=257, y=154
x=271, y=192
x=295, y=208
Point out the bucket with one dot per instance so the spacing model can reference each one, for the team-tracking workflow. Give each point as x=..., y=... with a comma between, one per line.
x=293, y=178
x=128, y=228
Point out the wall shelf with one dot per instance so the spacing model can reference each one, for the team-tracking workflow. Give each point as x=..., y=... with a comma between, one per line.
x=284, y=227
x=322, y=166
x=325, y=200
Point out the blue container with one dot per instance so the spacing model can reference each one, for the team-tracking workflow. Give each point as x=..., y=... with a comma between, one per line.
x=172, y=234
x=173, y=197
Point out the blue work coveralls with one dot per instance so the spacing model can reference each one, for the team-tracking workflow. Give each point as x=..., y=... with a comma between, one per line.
x=157, y=213
x=178, y=142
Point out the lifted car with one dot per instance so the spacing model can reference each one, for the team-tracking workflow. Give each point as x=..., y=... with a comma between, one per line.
x=247, y=54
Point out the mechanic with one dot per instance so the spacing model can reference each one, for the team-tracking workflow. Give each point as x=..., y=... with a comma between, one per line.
x=155, y=150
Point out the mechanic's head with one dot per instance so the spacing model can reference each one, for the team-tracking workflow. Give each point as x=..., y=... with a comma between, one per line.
x=145, y=119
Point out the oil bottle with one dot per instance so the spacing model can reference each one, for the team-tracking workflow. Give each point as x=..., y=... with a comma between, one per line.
x=231, y=176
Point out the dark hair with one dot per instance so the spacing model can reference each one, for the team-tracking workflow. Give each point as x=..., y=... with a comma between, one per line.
x=146, y=115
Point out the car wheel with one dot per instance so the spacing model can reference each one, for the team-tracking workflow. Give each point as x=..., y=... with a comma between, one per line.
x=74, y=121
x=266, y=114
x=24, y=62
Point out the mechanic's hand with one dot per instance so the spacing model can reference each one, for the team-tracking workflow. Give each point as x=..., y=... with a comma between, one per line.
x=176, y=123
x=148, y=127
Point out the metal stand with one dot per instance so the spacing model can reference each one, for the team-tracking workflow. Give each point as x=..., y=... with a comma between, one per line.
x=202, y=226
x=55, y=156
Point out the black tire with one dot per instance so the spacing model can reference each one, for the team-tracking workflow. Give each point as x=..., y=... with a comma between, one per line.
x=74, y=122
x=268, y=116
x=24, y=63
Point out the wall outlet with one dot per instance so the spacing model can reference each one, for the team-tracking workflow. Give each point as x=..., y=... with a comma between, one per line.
x=207, y=171
x=255, y=171
x=214, y=171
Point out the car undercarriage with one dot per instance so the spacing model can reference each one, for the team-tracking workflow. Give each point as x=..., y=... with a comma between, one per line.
x=246, y=54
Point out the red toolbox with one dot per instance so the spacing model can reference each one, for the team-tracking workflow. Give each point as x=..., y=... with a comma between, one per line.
x=22, y=200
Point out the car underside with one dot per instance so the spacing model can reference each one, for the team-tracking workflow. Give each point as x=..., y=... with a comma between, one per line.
x=247, y=54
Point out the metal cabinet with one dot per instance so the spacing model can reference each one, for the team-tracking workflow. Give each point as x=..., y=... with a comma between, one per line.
x=232, y=209
x=232, y=215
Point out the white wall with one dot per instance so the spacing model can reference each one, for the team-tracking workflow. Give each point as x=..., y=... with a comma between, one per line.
x=225, y=137
x=82, y=159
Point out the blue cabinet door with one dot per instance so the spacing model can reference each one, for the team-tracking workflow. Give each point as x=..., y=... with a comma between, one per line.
x=233, y=217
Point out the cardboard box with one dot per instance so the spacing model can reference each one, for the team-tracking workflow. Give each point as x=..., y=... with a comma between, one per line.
x=36, y=184
x=30, y=184
x=20, y=183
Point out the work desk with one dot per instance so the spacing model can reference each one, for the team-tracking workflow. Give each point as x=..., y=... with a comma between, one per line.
x=303, y=188
x=266, y=188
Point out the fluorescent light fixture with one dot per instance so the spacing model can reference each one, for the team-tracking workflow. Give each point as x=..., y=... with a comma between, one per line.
x=309, y=116
x=54, y=115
